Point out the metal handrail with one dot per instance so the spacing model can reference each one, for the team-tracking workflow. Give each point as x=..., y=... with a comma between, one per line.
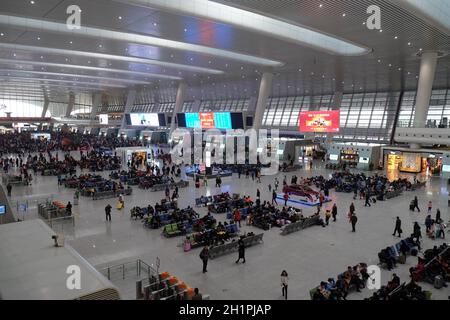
x=140, y=265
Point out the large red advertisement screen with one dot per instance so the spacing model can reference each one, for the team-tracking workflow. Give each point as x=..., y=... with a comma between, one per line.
x=320, y=121
x=207, y=120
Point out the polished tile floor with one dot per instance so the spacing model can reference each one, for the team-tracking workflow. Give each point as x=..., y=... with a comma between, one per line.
x=309, y=256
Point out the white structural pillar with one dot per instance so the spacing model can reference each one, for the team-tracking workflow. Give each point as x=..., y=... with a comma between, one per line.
x=96, y=102
x=45, y=106
x=264, y=91
x=181, y=93
x=131, y=97
x=70, y=105
x=426, y=78
x=428, y=65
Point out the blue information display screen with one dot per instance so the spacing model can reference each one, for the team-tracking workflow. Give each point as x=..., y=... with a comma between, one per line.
x=2, y=210
x=192, y=120
x=222, y=120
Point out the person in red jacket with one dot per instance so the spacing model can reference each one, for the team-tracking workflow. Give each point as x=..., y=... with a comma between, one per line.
x=237, y=217
x=286, y=198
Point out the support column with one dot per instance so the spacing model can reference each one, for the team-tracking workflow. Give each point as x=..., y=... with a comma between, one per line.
x=131, y=97
x=427, y=74
x=426, y=78
x=96, y=102
x=45, y=107
x=178, y=105
x=264, y=91
x=70, y=105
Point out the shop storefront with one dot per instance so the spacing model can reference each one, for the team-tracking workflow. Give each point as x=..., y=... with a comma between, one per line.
x=404, y=160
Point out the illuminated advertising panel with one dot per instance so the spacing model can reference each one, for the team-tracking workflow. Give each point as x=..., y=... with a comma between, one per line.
x=207, y=120
x=103, y=119
x=320, y=121
x=144, y=119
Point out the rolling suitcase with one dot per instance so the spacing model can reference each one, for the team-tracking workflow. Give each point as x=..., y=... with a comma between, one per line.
x=438, y=282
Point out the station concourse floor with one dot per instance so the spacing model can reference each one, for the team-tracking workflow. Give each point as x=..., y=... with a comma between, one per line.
x=309, y=256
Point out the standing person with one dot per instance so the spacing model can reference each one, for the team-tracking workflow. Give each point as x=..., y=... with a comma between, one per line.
x=9, y=189
x=167, y=193
x=204, y=255
x=276, y=184
x=197, y=295
x=253, y=175
x=334, y=212
x=258, y=176
x=327, y=217
x=108, y=212
x=241, y=251
x=270, y=187
x=398, y=227
x=69, y=209
x=122, y=201
x=438, y=216
x=258, y=194
x=416, y=204
x=430, y=206
x=286, y=198
x=237, y=217
x=440, y=233
x=416, y=231
x=428, y=223
x=239, y=173
x=284, y=284
x=352, y=208
x=367, y=204
x=353, y=221
x=274, y=197
x=217, y=182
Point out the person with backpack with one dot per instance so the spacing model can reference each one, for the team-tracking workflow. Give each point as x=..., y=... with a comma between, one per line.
x=108, y=212
x=398, y=227
x=353, y=221
x=416, y=231
x=241, y=251
x=327, y=217
x=274, y=197
x=204, y=256
x=334, y=212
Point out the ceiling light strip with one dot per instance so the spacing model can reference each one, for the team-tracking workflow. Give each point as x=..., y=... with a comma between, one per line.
x=72, y=66
x=257, y=23
x=96, y=33
x=8, y=78
x=81, y=76
x=91, y=55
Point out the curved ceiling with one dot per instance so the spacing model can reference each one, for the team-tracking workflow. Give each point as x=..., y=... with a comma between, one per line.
x=135, y=43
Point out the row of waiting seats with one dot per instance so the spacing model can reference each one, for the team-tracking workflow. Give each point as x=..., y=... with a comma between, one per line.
x=300, y=225
x=233, y=246
x=161, y=187
x=112, y=194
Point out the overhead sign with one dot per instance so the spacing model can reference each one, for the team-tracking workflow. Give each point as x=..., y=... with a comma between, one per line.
x=320, y=121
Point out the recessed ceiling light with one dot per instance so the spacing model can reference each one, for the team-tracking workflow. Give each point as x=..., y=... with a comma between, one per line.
x=379, y=60
x=381, y=30
x=185, y=30
x=32, y=2
x=155, y=24
x=39, y=38
x=343, y=14
x=395, y=37
x=420, y=49
x=399, y=69
x=71, y=42
x=390, y=65
x=2, y=34
x=120, y=17
x=409, y=43
x=320, y=5
x=364, y=23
